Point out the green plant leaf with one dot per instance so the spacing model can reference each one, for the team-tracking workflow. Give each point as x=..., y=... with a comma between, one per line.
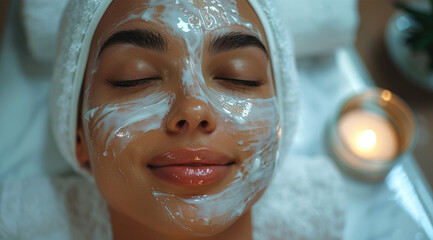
x=421, y=41
x=420, y=36
x=422, y=18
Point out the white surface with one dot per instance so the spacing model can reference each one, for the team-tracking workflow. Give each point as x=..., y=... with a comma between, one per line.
x=26, y=144
x=53, y=208
x=319, y=27
x=41, y=20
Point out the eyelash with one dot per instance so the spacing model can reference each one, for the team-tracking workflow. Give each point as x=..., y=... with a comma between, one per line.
x=240, y=83
x=132, y=83
x=243, y=84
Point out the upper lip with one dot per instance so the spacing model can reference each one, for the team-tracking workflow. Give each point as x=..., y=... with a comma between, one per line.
x=190, y=157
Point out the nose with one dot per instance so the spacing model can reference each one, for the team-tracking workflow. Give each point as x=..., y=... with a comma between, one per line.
x=189, y=115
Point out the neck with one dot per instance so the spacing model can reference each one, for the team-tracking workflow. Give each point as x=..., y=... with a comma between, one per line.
x=124, y=227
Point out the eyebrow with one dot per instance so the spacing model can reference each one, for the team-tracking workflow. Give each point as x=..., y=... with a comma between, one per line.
x=235, y=40
x=144, y=38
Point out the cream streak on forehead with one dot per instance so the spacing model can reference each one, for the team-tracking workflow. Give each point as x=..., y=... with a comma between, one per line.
x=187, y=16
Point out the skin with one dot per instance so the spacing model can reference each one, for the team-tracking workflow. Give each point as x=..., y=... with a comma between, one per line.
x=134, y=212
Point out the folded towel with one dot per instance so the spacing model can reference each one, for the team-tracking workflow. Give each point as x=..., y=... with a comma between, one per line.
x=302, y=202
x=320, y=26
x=41, y=20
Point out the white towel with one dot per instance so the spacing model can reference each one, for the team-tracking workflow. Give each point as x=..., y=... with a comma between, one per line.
x=41, y=19
x=317, y=26
x=26, y=145
x=320, y=26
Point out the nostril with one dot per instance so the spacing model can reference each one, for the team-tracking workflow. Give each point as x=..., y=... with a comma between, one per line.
x=204, y=124
x=181, y=123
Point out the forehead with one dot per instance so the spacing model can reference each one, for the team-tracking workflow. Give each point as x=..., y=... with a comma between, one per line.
x=212, y=14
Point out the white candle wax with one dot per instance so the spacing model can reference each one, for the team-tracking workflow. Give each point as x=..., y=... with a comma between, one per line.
x=368, y=135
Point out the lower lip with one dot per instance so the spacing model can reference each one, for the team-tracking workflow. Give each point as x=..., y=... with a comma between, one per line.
x=190, y=176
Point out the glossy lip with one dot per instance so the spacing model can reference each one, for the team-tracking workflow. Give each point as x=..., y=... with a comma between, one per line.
x=191, y=167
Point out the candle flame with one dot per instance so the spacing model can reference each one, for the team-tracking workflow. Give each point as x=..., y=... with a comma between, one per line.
x=367, y=139
x=386, y=95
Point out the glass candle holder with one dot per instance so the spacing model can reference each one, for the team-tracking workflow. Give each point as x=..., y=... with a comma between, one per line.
x=370, y=133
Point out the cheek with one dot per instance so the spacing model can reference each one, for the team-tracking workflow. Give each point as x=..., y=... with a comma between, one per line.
x=253, y=123
x=112, y=127
x=113, y=132
x=129, y=196
x=254, y=128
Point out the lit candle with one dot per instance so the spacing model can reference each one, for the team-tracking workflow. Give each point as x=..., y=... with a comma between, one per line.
x=368, y=135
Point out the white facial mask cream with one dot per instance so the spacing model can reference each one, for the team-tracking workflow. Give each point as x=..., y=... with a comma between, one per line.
x=122, y=122
x=253, y=123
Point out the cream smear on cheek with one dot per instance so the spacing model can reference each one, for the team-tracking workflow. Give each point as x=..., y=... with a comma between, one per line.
x=119, y=123
x=254, y=123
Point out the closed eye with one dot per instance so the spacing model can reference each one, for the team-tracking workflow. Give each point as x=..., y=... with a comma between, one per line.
x=133, y=83
x=247, y=83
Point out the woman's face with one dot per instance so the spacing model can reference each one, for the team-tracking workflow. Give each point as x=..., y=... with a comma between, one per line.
x=179, y=112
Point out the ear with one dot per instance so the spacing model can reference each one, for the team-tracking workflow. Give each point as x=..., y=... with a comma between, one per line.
x=81, y=150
